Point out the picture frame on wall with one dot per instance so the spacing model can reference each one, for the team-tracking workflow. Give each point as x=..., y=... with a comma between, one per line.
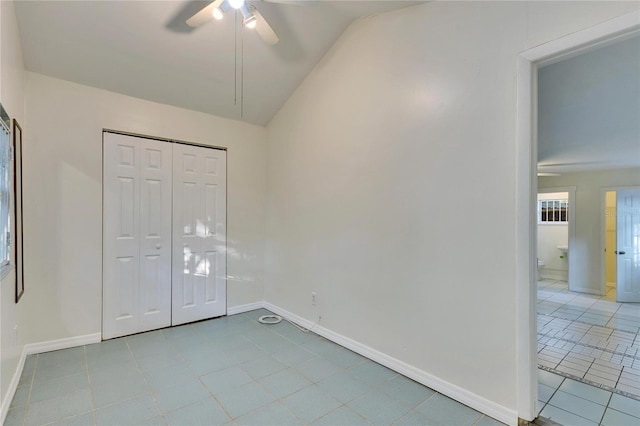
x=17, y=208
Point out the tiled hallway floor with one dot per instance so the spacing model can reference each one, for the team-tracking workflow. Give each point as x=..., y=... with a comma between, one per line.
x=589, y=338
x=572, y=403
x=588, y=357
x=230, y=370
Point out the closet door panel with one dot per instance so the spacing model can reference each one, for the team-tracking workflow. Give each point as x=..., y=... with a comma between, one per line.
x=121, y=236
x=199, y=234
x=155, y=233
x=136, y=235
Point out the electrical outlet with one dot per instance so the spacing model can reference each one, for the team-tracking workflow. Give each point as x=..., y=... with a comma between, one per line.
x=314, y=298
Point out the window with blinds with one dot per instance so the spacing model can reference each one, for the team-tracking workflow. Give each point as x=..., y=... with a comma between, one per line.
x=553, y=211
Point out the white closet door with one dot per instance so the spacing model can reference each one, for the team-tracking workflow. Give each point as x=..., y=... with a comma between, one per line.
x=199, y=234
x=136, y=235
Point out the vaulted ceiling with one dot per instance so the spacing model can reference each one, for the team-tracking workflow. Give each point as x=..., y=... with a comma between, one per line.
x=589, y=104
x=144, y=49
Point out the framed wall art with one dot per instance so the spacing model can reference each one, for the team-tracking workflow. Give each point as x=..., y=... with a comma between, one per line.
x=17, y=208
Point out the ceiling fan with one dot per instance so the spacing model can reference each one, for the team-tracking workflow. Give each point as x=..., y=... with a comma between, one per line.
x=251, y=17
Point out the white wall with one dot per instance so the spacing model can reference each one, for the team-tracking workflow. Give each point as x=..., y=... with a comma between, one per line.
x=550, y=236
x=63, y=198
x=391, y=186
x=12, y=98
x=588, y=238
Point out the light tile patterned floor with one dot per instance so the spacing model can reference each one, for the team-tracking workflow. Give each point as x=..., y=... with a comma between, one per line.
x=572, y=403
x=589, y=338
x=231, y=371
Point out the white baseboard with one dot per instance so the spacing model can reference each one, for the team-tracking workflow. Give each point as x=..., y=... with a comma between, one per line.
x=554, y=274
x=464, y=396
x=13, y=386
x=586, y=290
x=69, y=342
x=36, y=348
x=234, y=310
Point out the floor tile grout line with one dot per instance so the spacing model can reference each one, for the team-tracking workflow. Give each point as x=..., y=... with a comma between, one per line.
x=563, y=358
x=589, y=382
x=579, y=415
x=605, y=409
x=552, y=395
x=91, y=396
x=144, y=377
x=588, y=323
x=33, y=376
x=590, y=346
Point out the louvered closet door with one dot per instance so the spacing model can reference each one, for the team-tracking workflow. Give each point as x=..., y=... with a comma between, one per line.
x=199, y=233
x=136, y=235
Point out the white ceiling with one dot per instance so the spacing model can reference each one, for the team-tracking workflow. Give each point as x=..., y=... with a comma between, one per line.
x=589, y=110
x=144, y=49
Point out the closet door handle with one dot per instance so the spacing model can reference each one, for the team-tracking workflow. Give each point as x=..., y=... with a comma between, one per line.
x=158, y=246
x=621, y=252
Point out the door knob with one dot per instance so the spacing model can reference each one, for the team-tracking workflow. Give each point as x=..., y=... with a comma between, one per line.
x=158, y=246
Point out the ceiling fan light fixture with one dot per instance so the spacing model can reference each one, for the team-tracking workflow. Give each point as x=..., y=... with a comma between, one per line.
x=217, y=14
x=236, y=4
x=250, y=22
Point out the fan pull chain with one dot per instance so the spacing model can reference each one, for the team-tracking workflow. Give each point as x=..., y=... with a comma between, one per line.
x=235, y=59
x=242, y=71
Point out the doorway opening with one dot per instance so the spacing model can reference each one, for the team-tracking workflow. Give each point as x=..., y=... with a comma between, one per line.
x=527, y=188
x=609, y=254
x=555, y=223
x=620, y=281
x=619, y=278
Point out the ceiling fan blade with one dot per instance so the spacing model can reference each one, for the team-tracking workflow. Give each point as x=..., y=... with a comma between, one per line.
x=291, y=2
x=204, y=15
x=264, y=30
